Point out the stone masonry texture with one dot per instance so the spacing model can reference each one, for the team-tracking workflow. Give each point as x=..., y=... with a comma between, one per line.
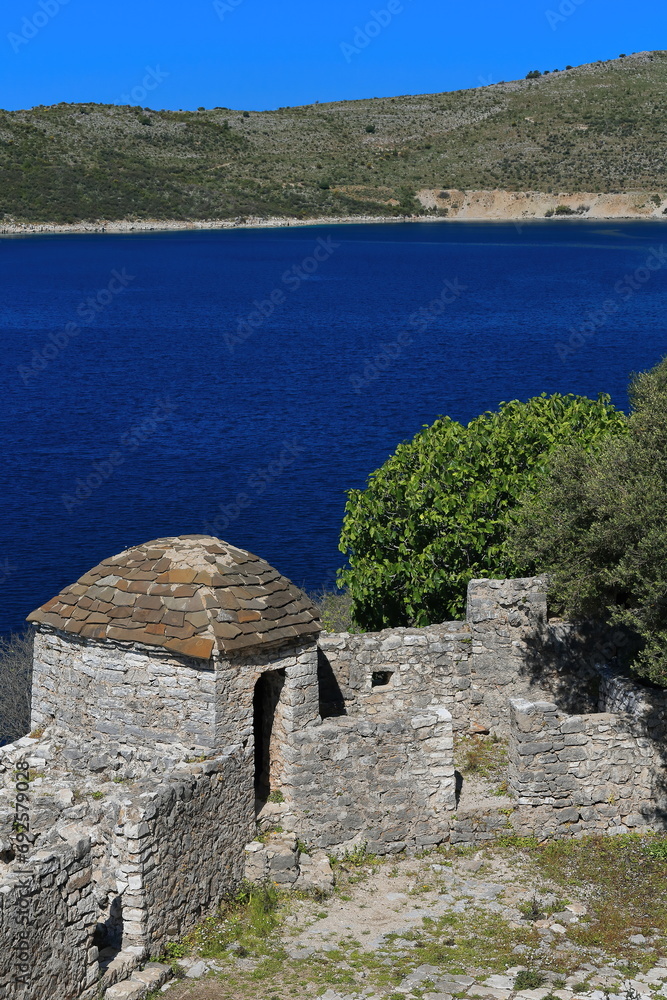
x=584, y=773
x=47, y=914
x=126, y=851
x=386, y=783
x=505, y=648
x=121, y=692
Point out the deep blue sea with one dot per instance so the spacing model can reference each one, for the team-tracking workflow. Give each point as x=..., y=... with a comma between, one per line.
x=239, y=382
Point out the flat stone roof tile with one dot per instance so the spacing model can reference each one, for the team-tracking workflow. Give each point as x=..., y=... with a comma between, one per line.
x=191, y=594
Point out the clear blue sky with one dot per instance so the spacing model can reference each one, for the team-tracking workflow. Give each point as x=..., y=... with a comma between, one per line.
x=259, y=54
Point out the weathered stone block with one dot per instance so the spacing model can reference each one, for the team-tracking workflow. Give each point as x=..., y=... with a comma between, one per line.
x=532, y=748
x=572, y=754
x=567, y=815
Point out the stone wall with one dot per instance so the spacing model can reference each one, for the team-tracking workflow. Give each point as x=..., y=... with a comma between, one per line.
x=504, y=617
x=150, y=845
x=506, y=648
x=236, y=681
x=47, y=919
x=160, y=765
x=397, y=670
x=262, y=701
x=388, y=783
x=618, y=693
x=181, y=850
x=584, y=773
x=127, y=693
x=517, y=652
x=386, y=777
x=280, y=860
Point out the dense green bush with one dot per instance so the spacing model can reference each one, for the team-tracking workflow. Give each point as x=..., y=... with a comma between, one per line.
x=599, y=527
x=438, y=512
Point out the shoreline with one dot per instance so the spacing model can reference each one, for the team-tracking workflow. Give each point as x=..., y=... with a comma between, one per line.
x=460, y=206
x=177, y=225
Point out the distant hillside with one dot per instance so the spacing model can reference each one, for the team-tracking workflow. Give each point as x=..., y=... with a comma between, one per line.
x=596, y=128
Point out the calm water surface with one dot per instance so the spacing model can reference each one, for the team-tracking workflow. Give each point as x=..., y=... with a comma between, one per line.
x=172, y=405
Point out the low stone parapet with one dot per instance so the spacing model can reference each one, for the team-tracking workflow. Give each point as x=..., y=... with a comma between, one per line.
x=583, y=773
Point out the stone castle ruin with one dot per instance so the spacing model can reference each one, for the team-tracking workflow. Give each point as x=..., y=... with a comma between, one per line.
x=184, y=695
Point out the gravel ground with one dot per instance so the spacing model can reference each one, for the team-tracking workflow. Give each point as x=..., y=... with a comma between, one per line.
x=441, y=927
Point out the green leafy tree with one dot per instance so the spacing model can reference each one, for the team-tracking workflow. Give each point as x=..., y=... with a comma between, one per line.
x=437, y=513
x=599, y=527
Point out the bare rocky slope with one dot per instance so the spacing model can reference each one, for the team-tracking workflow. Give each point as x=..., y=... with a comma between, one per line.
x=590, y=138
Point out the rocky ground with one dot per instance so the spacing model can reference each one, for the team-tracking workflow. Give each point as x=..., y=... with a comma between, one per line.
x=451, y=924
x=516, y=919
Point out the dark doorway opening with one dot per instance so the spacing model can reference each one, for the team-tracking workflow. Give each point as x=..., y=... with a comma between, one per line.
x=265, y=702
x=108, y=936
x=332, y=702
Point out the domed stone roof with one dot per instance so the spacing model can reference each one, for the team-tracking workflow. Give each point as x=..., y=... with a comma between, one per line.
x=191, y=594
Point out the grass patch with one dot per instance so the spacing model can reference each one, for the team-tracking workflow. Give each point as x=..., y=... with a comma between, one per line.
x=265, y=835
x=532, y=910
x=246, y=921
x=529, y=979
x=510, y=840
x=358, y=857
x=623, y=881
x=485, y=756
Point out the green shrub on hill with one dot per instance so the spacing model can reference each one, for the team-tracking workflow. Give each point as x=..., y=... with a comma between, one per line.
x=599, y=526
x=92, y=161
x=439, y=510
